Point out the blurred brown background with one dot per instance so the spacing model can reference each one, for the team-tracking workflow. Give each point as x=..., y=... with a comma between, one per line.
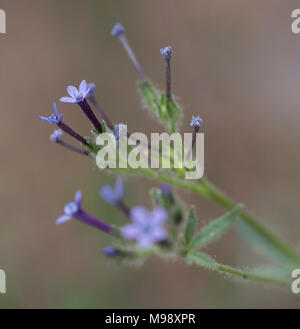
x=235, y=63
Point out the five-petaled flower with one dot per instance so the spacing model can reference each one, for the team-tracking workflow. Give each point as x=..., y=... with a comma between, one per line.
x=196, y=122
x=55, y=118
x=77, y=95
x=56, y=136
x=113, y=195
x=147, y=228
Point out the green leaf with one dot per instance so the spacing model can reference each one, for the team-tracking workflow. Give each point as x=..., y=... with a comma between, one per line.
x=190, y=227
x=168, y=112
x=201, y=259
x=216, y=228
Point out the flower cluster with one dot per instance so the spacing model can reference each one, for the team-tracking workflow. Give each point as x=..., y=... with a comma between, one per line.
x=144, y=229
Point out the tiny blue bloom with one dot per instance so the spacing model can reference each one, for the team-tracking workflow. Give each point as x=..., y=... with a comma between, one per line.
x=147, y=228
x=120, y=130
x=113, y=195
x=196, y=122
x=77, y=95
x=166, y=52
x=55, y=118
x=117, y=30
x=56, y=136
x=110, y=252
x=71, y=209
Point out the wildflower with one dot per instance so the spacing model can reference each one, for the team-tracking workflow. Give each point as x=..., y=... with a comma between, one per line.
x=120, y=130
x=113, y=195
x=119, y=32
x=56, y=136
x=74, y=210
x=110, y=252
x=196, y=122
x=147, y=228
x=78, y=96
x=56, y=119
x=166, y=52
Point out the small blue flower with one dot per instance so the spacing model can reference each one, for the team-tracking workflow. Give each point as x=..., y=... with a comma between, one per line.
x=147, y=228
x=196, y=122
x=110, y=252
x=55, y=118
x=71, y=209
x=113, y=195
x=56, y=136
x=117, y=30
x=77, y=95
x=166, y=52
x=120, y=130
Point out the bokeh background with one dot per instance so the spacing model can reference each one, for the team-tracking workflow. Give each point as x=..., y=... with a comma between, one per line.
x=235, y=63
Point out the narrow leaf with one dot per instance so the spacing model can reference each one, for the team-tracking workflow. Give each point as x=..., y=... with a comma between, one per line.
x=201, y=259
x=190, y=227
x=216, y=228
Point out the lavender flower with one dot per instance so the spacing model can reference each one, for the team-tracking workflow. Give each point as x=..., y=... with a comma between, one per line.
x=56, y=136
x=110, y=252
x=196, y=122
x=77, y=95
x=55, y=118
x=74, y=210
x=147, y=228
x=120, y=130
x=119, y=32
x=113, y=195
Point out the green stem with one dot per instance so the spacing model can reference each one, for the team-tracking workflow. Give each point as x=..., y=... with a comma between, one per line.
x=250, y=276
x=279, y=245
x=205, y=188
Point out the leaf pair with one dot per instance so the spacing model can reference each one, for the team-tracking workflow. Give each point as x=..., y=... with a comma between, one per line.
x=210, y=232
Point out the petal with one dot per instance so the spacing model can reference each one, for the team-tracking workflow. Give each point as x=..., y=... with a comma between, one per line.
x=83, y=87
x=78, y=198
x=55, y=109
x=159, y=234
x=130, y=232
x=62, y=219
x=44, y=119
x=108, y=194
x=72, y=91
x=139, y=214
x=67, y=100
x=145, y=242
x=119, y=188
x=159, y=215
